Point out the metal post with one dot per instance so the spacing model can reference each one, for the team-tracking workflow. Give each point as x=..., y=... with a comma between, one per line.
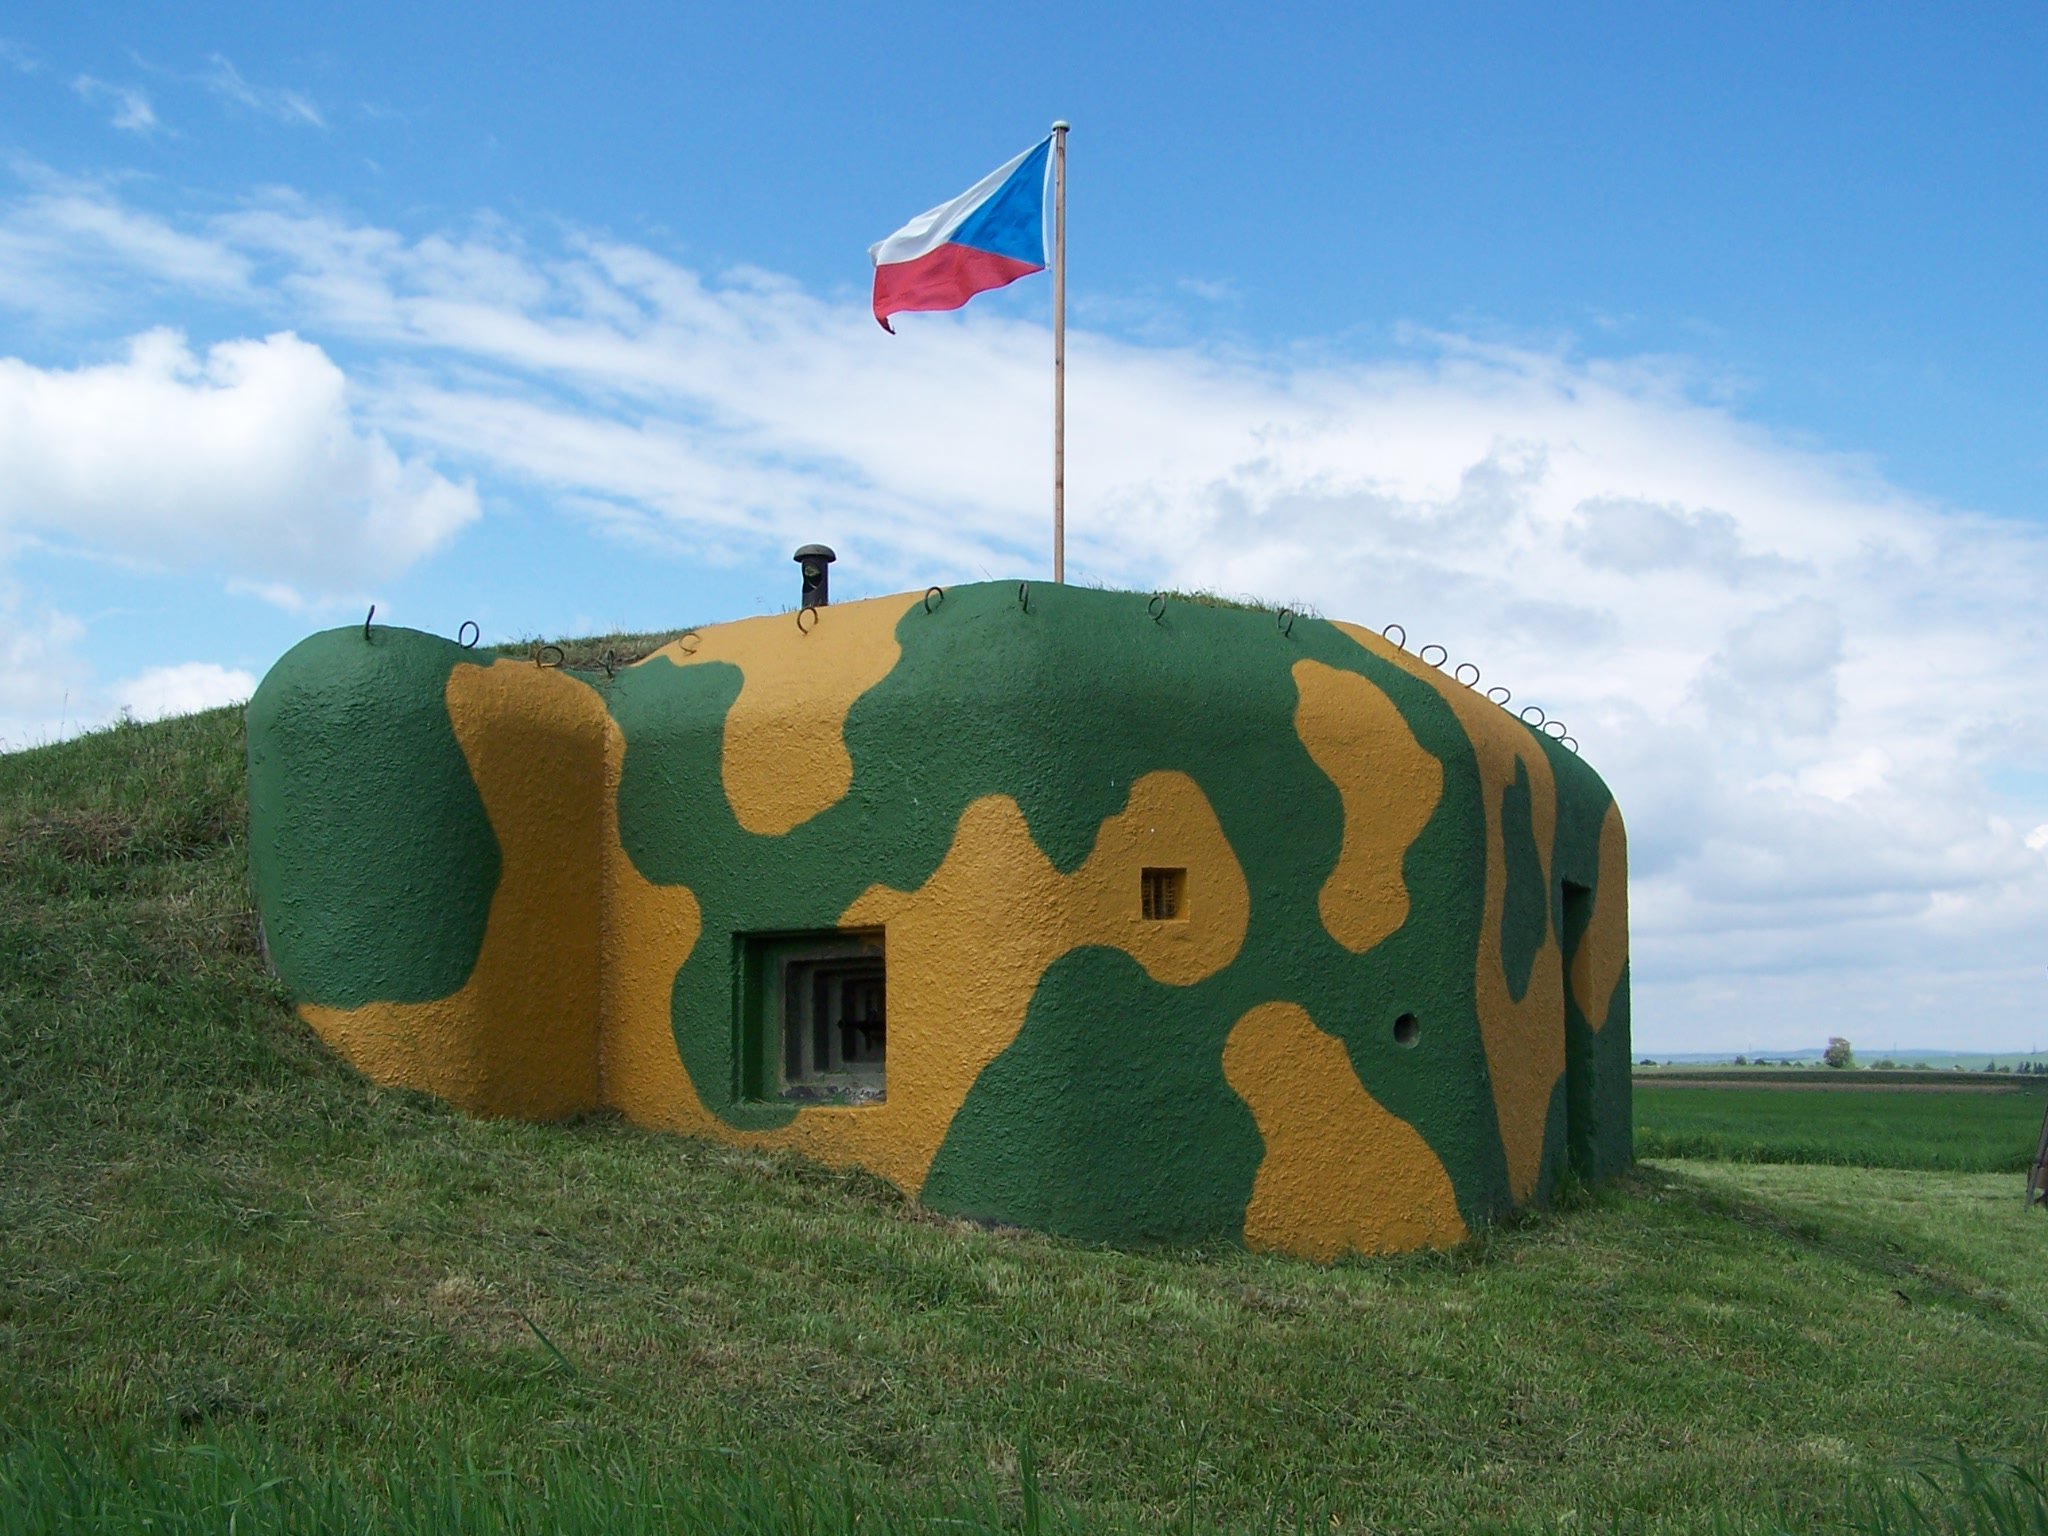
x=1059, y=350
x=2037, y=1176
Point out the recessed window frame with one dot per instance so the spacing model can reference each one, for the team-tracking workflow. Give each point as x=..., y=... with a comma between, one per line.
x=767, y=967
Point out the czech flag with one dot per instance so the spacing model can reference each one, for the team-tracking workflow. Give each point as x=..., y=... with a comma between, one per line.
x=987, y=237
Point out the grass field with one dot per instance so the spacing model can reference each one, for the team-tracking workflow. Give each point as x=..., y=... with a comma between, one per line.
x=1936, y=1127
x=237, y=1280
x=1821, y=1078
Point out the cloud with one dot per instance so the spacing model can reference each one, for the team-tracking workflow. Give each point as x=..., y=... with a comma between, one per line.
x=1637, y=537
x=45, y=687
x=132, y=111
x=284, y=106
x=1776, y=671
x=246, y=460
x=1800, y=680
x=70, y=248
x=183, y=689
x=48, y=690
x=18, y=58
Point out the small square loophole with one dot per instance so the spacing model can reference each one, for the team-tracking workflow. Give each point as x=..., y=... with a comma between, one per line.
x=1163, y=895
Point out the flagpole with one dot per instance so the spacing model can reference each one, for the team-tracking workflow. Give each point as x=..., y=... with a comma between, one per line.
x=1059, y=351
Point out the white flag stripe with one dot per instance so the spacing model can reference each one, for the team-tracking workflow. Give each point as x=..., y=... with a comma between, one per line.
x=931, y=229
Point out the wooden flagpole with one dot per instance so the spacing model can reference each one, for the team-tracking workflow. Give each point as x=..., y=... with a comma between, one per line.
x=1059, y=350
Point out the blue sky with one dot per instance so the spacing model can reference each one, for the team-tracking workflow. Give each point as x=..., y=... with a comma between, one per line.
x=1680, y=370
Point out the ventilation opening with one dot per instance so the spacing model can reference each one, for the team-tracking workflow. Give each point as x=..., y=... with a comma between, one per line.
x=1162, y=895
x=1406, y=1029
x=815, y=1018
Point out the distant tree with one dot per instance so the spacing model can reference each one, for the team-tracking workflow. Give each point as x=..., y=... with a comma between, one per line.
x=1838, y=1053
x=1884, y=1064
x=1741, y=1061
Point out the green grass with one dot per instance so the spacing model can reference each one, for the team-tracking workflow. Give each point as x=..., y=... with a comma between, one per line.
x=1854, y=1078
x=1959, y=1132
x=217, y=1242
x=589, y=654
x=210, y=1483
x=1966, y=1497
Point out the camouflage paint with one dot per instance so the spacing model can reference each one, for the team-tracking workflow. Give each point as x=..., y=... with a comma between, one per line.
x=534, y=892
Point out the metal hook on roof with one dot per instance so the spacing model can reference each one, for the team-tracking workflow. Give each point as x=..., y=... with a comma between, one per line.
x=933, y=592
x=366, y=623
x=610, y=662
x=1024, y=595
x=1524, y=715
x=469, y=628
x=1461, y=669
x=693, y=637
x=1284, y=621
x=1402, y=642
x=1156, y=606
x=1442, y=656
x=1570, y=743
x=540, y=655
x=1499, y=695
x=801, y=627
x=1558, y=733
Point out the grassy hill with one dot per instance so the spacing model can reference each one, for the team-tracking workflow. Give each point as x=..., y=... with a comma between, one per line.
x=231, y=1269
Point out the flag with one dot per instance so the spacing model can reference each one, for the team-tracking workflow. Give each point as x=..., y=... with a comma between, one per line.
x=990, y=235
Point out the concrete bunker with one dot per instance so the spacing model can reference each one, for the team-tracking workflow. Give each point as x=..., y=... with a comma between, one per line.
x=1130, y=920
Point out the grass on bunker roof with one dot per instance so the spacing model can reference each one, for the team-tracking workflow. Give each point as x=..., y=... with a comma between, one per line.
x=213, y=1233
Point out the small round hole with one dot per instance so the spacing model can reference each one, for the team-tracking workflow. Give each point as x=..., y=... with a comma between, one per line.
x=1405, y=1029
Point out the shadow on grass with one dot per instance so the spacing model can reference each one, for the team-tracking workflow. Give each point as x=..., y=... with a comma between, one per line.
x=1857, y=1244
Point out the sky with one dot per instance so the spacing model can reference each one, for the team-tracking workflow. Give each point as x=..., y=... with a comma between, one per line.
x=1680, y=371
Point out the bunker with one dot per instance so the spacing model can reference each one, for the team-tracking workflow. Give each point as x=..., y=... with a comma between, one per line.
x=1129, y=919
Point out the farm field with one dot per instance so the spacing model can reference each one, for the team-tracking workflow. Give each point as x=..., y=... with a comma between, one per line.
x=236, y=1279
x=1983, y=1126
x=1822, y=1078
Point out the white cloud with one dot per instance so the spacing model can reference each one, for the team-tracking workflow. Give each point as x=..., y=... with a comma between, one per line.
x=48, y=690
x=45, y=690
x=182, y=689
x=1799, y=679
x=1775, y=672
x=69, y=248
x=130, y=105
x=286, y=106
x=247, y=460
x=1637, y=537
